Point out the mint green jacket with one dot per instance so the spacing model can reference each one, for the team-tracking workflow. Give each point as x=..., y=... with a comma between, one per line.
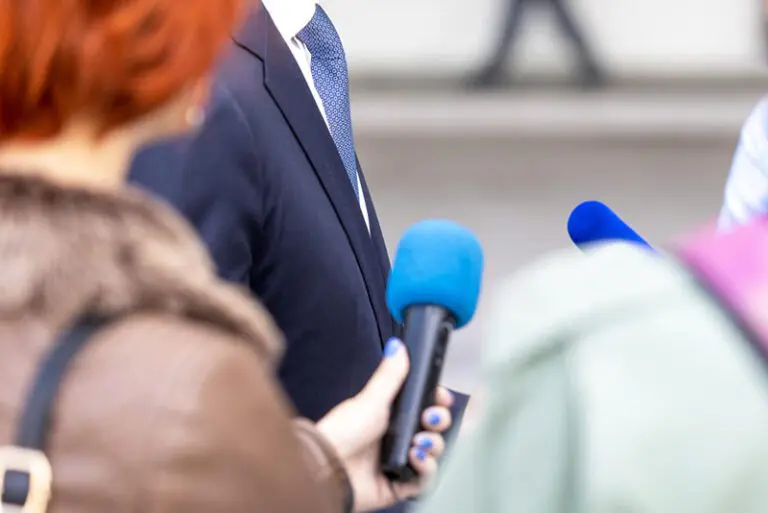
x=614, y=385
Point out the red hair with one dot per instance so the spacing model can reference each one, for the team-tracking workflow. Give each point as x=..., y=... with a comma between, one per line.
x=112, y=60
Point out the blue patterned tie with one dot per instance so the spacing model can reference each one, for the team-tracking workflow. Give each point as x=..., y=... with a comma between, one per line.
x=329, y=72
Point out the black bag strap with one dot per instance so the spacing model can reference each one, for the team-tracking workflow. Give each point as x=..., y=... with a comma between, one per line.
x=25, y=472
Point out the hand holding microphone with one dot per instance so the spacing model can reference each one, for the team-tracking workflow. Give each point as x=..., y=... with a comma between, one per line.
x=434, y=286
x=355, y=429
x=593, y=221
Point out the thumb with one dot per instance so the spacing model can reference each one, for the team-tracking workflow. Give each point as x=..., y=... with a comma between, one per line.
x=390, y=376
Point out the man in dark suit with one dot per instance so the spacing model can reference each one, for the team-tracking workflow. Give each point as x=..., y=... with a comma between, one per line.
x=273, y=185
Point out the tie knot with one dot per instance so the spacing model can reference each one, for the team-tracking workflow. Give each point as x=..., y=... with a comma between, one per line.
x=320, y=36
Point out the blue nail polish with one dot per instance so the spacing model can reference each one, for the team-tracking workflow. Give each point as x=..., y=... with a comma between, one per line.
x=391, y=348
x=425, y=444
x=420, y=455
x=434, y=419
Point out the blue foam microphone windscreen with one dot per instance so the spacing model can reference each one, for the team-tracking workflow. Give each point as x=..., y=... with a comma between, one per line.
x=593, y=221
x=440, y=263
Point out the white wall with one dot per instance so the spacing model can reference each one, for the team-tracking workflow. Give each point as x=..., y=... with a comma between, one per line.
x=634, y=37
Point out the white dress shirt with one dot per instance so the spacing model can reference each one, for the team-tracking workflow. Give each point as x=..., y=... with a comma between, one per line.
x=746, y=192
x=290, y=16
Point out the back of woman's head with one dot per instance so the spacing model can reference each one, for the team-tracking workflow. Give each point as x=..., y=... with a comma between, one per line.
x=112, y=61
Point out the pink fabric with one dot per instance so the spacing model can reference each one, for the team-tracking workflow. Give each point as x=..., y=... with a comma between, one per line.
x=735, y=267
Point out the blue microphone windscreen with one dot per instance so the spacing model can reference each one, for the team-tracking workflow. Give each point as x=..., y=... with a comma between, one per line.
x=593, y=221
x=439, y=263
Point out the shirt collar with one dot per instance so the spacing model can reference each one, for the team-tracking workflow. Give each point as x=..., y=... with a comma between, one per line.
x=290, y=16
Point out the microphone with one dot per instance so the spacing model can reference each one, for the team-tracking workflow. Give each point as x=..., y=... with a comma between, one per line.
x=433, y=288
x=593, y=221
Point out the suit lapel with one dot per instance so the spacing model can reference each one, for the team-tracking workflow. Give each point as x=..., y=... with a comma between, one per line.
x=380, y=247
x=287, y=86
x=377, y=236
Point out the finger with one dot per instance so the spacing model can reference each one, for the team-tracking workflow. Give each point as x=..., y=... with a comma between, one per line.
x=426, y=466
x=437, y=419
x=431, y=443
x=443, y=397
x=403, y=491
x=389, y=377
x=423, y=463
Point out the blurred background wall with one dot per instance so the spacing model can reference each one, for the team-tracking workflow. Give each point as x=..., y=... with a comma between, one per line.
x=670, y=38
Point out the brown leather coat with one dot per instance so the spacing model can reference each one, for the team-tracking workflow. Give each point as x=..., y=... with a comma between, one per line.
x=172, y=408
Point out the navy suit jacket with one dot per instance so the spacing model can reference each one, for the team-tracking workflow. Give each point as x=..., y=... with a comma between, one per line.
x=264, y=186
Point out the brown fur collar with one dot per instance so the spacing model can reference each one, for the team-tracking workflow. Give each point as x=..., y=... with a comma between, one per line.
x=65, y=252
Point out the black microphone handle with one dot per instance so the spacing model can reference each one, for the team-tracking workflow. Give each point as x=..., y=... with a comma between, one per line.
x=427, y=331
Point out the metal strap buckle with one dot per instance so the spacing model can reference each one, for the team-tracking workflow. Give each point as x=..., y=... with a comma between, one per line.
x=36, y=465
